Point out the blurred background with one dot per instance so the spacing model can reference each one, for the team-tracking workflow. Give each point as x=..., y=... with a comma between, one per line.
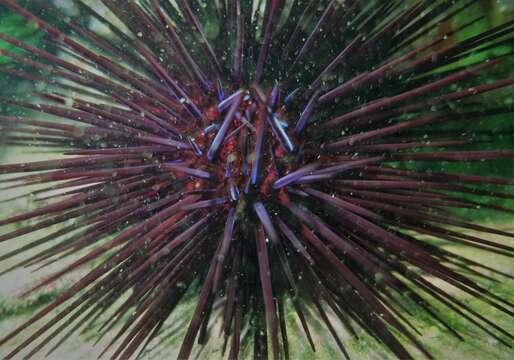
x=497, y=132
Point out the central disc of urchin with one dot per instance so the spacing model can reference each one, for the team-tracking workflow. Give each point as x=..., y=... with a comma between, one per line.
x=232, y=149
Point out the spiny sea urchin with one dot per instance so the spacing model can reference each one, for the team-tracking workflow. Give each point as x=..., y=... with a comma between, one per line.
x=264, y=161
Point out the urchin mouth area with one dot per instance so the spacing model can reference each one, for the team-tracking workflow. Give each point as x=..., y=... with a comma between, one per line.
x=236, y=149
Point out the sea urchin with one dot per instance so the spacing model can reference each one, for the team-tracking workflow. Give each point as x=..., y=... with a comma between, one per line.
x=257, y=154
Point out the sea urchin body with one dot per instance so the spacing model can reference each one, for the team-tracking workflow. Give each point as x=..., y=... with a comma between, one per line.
x=255, y=154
